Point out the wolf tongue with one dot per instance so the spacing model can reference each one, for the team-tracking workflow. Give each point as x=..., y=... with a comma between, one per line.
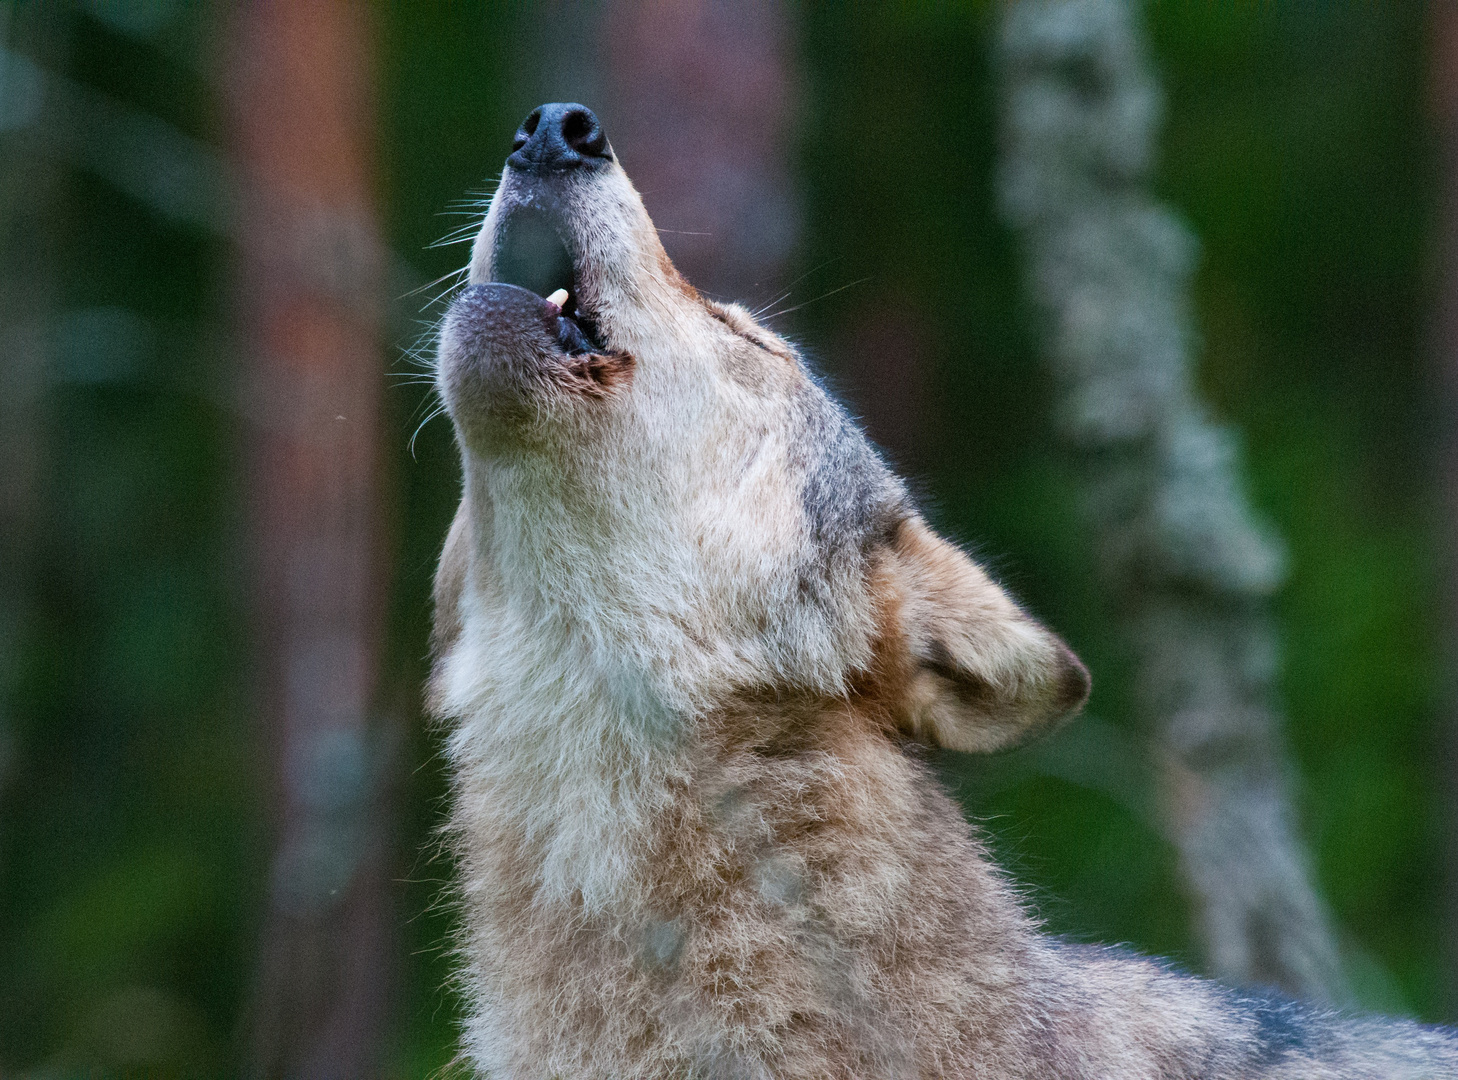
x=570, y=336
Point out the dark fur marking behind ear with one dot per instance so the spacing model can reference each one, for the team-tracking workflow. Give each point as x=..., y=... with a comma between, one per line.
x=851, y=498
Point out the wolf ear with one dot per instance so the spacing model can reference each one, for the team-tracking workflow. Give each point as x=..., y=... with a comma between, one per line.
x=450, y=583
x=985, y=675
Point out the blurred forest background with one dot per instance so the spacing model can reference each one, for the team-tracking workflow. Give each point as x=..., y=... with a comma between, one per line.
x=217, y=791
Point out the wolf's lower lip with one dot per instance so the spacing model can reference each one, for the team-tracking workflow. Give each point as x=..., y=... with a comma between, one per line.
x=511, y=313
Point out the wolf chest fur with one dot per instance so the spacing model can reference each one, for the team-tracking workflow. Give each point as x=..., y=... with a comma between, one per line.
x=689, y=631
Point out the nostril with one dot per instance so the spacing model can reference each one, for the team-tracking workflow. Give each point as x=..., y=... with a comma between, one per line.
x=582, y=132
x=527, y=130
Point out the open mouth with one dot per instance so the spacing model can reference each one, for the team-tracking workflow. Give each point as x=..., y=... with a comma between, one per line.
x=531, y=254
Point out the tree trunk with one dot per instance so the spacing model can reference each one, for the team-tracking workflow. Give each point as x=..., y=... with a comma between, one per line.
x=1184, y=561
x=310, y=301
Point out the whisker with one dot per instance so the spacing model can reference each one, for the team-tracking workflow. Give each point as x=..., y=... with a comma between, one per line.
x=822, y=296
x=421, y=352
x=439, y=410
x=446, y=291
x=757, y=312
x=790, y=288
x=433, y=284
x=458, y=236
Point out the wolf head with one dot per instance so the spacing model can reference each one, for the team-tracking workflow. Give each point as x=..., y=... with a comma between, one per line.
x=657, y=488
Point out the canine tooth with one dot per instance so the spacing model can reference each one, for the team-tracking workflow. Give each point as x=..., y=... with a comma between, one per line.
x=559, y=297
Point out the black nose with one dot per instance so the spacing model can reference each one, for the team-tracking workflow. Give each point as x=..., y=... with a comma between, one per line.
x=559, y=136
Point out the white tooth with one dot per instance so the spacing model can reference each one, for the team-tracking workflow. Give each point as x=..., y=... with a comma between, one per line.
x=559, y=297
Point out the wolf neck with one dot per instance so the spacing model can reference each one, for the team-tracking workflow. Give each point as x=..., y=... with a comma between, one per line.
x=613, y=594
x=596, y=634
x=565, y=739
x=557, y=757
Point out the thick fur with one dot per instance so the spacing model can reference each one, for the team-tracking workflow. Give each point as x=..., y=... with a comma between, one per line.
x=689, y=632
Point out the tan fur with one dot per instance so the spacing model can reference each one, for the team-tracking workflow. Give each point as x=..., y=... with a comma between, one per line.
x=684, y=686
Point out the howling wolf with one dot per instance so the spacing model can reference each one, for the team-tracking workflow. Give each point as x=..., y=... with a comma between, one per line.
x=689, y=631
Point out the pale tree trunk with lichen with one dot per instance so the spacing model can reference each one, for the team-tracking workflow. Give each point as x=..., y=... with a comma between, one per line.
x=1184, y=561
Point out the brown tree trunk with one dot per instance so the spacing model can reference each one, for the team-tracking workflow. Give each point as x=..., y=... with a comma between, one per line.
x=884, y=355
x=311, y=305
